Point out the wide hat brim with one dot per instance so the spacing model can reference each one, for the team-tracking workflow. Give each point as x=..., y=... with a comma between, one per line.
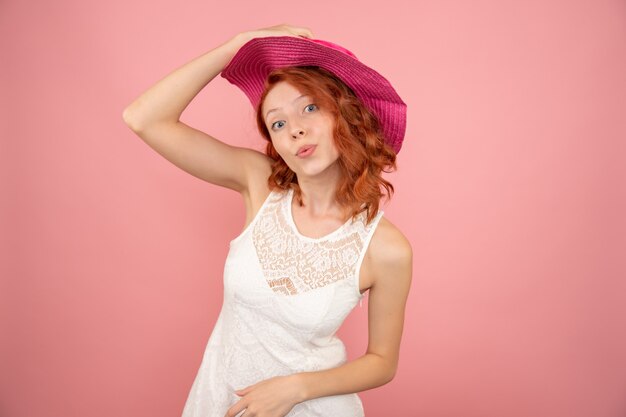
x=253, y=62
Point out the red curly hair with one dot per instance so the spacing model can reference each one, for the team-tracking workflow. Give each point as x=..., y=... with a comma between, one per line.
x=363, y=153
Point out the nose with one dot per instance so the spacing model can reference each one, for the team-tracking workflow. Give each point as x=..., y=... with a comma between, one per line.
x=297, y=131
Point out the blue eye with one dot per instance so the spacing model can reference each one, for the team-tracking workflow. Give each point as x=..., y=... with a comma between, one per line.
x=280, y=121
x=311, y=105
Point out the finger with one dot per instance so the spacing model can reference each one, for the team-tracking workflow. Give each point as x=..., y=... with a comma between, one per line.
x=305, y=32
x=243, y=391
x=299, y=31
x=235, y=409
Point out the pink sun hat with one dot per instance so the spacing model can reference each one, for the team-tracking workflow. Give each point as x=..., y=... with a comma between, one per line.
x=253, y=62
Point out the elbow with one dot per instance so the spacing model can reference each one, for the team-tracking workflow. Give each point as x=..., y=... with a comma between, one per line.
x=387, y=368
x=389, y=371
x=134, y=123
x=129, y=120
x=391, y=368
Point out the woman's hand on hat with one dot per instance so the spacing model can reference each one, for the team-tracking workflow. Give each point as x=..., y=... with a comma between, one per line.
x=278, y=30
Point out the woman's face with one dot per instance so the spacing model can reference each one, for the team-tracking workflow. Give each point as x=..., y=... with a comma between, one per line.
x=297, y=121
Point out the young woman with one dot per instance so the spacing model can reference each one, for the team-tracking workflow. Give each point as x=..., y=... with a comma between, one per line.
x=314, y=240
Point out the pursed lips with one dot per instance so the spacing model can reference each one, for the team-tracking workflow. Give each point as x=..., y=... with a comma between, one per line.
x=304, y=148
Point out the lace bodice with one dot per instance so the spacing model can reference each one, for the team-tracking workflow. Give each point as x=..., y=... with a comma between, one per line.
x=293, y=263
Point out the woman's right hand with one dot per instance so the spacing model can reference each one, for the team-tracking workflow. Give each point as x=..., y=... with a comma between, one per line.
x=278, y=30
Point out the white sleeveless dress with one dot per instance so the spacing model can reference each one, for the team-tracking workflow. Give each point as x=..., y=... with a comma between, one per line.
x=285, y=296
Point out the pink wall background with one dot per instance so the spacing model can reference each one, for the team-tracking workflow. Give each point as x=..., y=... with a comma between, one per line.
x=511, y=188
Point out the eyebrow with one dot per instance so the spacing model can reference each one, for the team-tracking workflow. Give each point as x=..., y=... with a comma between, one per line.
x=296, y=99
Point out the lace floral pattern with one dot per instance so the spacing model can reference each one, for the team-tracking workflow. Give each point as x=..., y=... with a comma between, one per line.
x=292, y=265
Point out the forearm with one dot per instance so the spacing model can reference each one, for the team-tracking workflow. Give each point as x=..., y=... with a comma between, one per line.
x=366, y=372
x=167, y=99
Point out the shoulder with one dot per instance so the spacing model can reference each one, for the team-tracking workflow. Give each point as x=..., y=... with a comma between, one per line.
x=388, y=243
x=390, y=253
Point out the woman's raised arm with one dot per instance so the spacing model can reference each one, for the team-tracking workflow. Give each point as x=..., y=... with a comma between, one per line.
x=154, y=117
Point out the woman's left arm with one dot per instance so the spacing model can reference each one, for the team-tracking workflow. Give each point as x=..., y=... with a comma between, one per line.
x=390, y=259
x=391, y=266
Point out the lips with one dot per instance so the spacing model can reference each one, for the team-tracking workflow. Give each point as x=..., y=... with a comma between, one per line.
x=304, y=148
